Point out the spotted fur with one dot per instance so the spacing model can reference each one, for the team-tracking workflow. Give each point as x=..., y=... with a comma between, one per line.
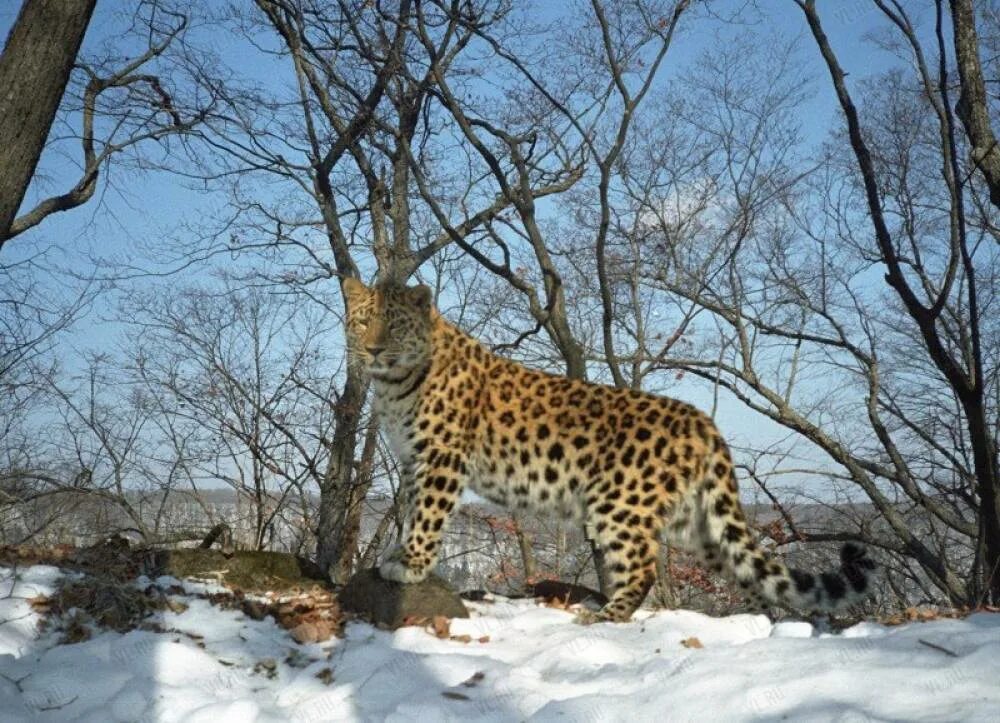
x=636, y=468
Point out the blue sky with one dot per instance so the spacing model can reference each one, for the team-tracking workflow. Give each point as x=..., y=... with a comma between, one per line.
x=125, y=209
x=137, y=209
x=125, y=212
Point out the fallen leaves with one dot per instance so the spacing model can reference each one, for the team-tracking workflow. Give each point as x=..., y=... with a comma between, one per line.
x=104, y=602
x=921, y=615
x=440, y=627
x=557, y=603
x=310, y=616
x=106, y=596
x=692, y=642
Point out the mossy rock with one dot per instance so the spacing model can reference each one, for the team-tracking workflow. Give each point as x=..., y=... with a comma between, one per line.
x=391, y=604
x=247, y=570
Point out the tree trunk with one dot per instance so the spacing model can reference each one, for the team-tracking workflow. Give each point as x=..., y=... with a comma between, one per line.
x=524, y=543
x=349, y=517
x=335, y=493
x=34, y=69
x=370, y=555
x=665, y=583
x=987, y=466
x=972, y=106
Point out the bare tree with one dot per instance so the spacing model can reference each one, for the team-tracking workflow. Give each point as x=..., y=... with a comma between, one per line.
x=760, y=257
x=32, y=320
x=34, y=69
x=100, y=102
x=366, y=130
x=925, y=294
x=648, y=231
x=115, y=102
x=238, y=374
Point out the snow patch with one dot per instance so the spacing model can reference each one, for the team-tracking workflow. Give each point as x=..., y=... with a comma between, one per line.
x=523, y=662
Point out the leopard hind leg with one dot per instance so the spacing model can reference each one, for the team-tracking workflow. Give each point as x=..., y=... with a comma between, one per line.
x=630, y=549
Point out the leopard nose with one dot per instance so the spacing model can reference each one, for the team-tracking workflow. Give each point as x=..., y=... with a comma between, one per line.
x=375, y=349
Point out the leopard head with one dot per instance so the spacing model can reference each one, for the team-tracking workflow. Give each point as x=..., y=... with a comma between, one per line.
x=388, y=327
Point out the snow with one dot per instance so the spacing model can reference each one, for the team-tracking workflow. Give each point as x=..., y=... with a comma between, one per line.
x=18, y=624
x=523, y=662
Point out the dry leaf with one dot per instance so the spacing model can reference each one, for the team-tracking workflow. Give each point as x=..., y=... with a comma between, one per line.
x=462, y=638
x=442, y=626
x=325, y=676
x=558, y=603
x=40, y=603
x=692, y=642
x=484, y=639
x=305, y=633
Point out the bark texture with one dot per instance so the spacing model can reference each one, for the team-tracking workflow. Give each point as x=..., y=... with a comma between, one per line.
x=972, y=106
x=34, y=69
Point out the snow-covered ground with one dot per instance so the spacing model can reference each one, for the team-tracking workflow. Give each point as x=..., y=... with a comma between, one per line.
x=512, y=661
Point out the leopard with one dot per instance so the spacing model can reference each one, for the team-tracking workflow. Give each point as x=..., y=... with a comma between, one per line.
x=638, y=470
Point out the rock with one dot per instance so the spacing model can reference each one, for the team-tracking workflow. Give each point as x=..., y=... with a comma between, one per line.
x=247, y=570
x=567, y=593
x=474, y=595
x=392, y=604
x=254, y=609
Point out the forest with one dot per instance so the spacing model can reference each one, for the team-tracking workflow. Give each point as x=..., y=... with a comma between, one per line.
x=784, y=212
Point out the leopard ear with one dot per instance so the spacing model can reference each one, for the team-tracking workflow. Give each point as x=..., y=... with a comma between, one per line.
x=354, y=290
x=421, y=296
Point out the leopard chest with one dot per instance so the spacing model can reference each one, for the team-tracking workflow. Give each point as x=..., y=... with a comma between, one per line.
x=396, y=423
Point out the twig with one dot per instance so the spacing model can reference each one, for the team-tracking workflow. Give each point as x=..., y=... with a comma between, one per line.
x=937, y=647
x=57, y=706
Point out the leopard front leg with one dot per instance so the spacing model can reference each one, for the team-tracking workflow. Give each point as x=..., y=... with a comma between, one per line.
x=432, y=491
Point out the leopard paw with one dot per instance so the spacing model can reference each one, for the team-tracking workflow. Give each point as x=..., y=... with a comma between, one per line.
x=398, y=571
x=585, y=616
x=604, y=615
